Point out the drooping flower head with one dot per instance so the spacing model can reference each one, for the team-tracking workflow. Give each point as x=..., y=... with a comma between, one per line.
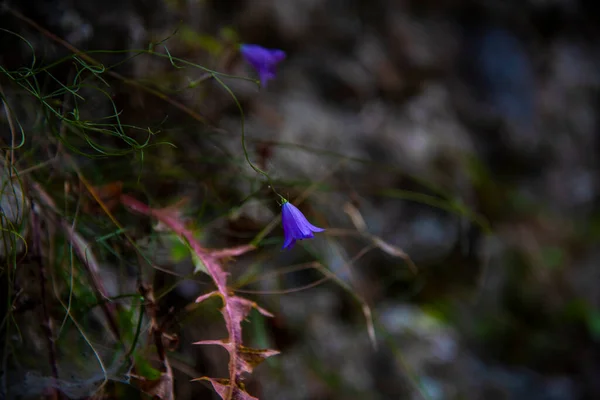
x=264, y=61
x=295, y=225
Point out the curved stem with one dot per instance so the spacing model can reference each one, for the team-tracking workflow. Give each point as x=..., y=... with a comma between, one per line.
x=244, y=148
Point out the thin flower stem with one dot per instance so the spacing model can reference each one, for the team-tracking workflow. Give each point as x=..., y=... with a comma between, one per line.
x=244, y=148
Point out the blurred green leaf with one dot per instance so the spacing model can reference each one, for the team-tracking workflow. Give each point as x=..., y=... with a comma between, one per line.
x=144, y=368
x=126, y=321
x=593, y=323
x=205, y=42
x=179, y=250
x=199, y=265
x=553, y=257
x=230, y=34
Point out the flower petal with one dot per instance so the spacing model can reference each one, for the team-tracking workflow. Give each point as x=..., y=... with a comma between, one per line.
x=295, y=225
x=289, y=243
x=263, y=60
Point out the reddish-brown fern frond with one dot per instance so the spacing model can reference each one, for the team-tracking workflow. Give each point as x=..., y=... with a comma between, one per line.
x=242, y=360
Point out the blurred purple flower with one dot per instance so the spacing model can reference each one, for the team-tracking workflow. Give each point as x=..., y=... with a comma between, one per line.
x=295, y=225
x=264, y=61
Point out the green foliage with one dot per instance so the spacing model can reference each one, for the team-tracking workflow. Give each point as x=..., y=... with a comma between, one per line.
x=76, y=149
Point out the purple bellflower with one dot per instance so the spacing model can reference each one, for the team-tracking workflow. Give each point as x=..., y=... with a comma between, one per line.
x=295, y=225
x=264, y=61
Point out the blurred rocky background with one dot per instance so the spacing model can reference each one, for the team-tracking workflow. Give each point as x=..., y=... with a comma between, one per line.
x=462, y=132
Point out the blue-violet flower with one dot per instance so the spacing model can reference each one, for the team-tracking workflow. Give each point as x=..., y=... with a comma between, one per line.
x=295, y=225
x=264, y=61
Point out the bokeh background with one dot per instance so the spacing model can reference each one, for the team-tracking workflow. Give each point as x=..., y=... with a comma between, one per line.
x=462, y=134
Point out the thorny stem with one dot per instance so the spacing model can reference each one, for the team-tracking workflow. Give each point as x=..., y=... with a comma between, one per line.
x=148, y=294
x=37, y=251
x=157, y=332
x=208, y=259
x=180, y=229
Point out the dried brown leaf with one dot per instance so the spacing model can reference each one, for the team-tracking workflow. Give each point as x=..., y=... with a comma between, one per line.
x=161, y=388
x=247, y=357
x=226, y=390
